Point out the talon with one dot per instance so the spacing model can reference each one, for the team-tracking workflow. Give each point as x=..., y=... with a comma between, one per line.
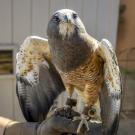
x=67, y=109
x=64, y=111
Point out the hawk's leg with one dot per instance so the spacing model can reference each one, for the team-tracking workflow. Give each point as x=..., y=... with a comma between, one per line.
x=67, y=108
x=70, y=102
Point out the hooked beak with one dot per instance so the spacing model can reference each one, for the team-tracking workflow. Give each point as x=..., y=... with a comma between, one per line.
x=67, y=19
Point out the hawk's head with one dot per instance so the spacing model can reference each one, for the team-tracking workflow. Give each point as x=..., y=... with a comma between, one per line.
x=64, y=22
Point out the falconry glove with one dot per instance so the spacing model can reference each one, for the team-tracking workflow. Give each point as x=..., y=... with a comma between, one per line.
x=56, y=124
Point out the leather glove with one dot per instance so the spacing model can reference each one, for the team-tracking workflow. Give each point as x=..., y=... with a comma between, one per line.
x=59, y=123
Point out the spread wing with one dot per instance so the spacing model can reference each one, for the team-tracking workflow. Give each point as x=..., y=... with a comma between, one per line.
x=38, y=82
x=110, y=96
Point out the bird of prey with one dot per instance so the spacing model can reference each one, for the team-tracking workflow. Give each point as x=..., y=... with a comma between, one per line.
x=85, y=65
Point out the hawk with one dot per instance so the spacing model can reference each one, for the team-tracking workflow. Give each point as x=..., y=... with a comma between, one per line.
x=70, y=59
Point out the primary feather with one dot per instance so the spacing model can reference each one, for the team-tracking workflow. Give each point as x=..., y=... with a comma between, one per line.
x=111, y=95
x=38, y=82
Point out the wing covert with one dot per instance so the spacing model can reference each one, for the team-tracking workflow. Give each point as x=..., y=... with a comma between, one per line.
x=32, y=52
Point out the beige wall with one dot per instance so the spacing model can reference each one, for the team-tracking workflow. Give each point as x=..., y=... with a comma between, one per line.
x=20, y=18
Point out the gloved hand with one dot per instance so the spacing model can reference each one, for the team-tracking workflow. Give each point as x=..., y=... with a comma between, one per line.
x=57, y=124
x=60, y=123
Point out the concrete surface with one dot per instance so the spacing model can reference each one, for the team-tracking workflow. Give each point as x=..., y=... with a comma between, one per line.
x=127, y=127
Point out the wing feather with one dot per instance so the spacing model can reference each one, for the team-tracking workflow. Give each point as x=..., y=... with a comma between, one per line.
x=32, y=52
x=110, y=96
x=38, y=82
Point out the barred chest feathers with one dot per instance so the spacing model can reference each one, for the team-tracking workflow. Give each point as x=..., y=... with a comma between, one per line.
x=91, y=72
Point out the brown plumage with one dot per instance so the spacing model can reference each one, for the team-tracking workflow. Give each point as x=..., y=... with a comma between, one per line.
x=87, y=79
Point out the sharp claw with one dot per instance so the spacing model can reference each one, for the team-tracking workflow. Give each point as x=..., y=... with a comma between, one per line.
x=65, y=111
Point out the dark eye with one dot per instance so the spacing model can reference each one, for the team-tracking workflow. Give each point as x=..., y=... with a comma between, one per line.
x=74, y=16
x=56, y=18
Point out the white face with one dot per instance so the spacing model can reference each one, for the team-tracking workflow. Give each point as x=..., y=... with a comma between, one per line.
x=68, y=21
